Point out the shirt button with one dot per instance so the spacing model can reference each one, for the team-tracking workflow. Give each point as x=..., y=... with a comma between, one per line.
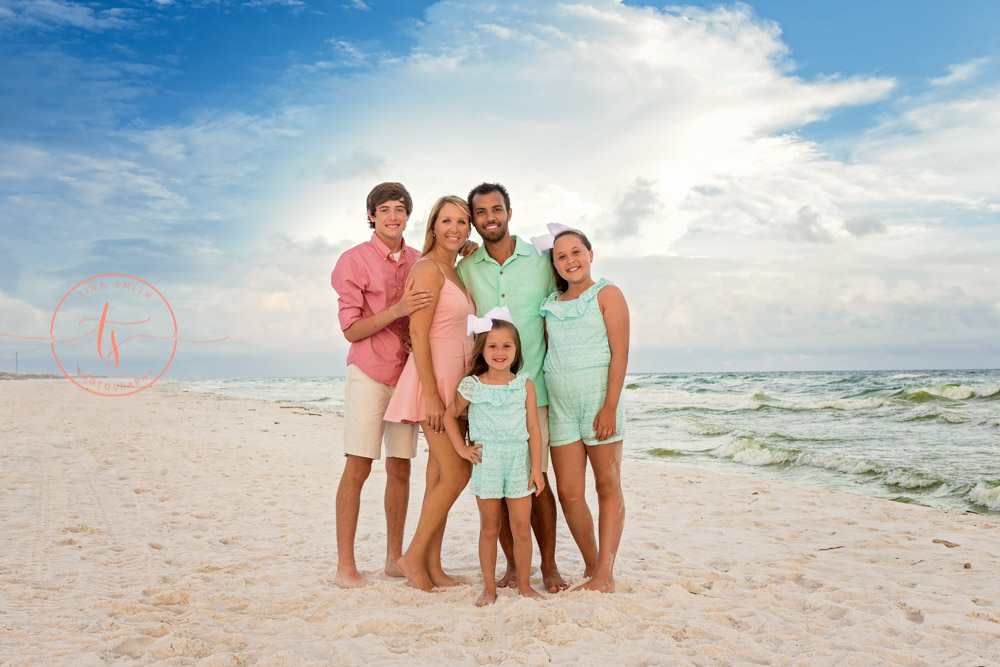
x=503, y=296
x=501, y=273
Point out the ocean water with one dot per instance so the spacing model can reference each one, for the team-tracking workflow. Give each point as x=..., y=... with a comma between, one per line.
x=925, y=437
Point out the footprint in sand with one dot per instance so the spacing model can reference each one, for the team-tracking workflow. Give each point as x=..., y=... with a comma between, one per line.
x=134, y=647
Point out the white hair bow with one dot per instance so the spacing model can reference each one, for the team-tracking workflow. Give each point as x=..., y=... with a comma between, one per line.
x=485, y=323
x=545, y=241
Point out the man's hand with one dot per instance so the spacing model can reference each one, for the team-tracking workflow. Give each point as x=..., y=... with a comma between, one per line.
x=469, y=248
x=413, y=299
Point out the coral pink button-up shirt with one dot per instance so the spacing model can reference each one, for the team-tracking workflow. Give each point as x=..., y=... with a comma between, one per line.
x=368, y=280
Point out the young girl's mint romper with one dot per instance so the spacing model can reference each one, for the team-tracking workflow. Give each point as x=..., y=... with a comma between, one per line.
x=498, y=422
x=576, y=368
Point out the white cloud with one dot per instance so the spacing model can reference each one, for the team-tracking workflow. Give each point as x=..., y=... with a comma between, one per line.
x=807, y=228
x=960, y=72
x=866, y=225
x=659, y=132
x=49, y=14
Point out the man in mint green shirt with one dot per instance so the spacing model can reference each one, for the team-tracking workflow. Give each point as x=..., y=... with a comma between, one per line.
x=507, y=271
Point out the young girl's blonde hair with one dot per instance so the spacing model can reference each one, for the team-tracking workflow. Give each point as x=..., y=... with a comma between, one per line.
x=478, y=365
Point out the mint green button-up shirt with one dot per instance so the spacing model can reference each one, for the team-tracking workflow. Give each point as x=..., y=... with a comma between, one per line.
x=521, y=284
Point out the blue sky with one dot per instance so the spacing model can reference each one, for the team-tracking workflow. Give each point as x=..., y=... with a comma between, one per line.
x=775, y=185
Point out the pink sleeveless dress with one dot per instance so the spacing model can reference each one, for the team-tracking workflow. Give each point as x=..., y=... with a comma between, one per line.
x=450, y=349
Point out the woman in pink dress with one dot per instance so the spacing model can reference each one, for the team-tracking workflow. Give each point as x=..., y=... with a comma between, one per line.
x=441, y=350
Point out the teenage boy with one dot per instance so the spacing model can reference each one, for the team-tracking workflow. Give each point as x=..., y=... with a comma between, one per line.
x=374, y=304
x=507, y=271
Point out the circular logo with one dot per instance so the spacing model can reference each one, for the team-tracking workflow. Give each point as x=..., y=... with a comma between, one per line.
x=113, y=334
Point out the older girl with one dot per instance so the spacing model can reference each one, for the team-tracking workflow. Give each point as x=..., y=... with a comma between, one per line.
x=587, y=325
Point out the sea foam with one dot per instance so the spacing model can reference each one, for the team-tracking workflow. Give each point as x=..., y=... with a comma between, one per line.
x=750, y=452
x=986, y=495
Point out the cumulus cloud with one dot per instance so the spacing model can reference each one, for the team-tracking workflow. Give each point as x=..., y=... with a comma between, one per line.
x=640, y=202
x=601, y=115
x=807, y=228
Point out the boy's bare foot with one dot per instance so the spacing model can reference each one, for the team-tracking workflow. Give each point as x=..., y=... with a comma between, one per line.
x=350, y=579
x=588, y=570
x=509, y=578
x=392, y=567
x=529, y=592
x=553, y=581
x=417, y=579
x=599, y=584
x=488, y=596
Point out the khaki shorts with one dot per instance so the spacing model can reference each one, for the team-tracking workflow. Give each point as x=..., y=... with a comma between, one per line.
x=365, y=428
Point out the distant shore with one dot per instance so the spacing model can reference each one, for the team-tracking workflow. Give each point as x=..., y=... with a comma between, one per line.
x=30, y=376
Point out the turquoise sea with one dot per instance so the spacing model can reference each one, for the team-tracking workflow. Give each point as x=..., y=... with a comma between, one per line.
x=925, y=437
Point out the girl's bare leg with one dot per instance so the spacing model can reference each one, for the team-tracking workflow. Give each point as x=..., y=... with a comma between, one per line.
x=569, y=462
x=519, y=510
x=454, y=475
x=489, y=531
x=606, y=461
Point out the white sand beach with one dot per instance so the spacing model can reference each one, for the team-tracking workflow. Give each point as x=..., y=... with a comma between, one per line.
x=186, y=528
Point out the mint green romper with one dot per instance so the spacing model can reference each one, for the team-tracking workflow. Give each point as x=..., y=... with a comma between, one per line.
x=498, y=422
x=576, y=368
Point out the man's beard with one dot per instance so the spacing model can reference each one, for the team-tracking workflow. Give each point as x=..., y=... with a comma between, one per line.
x=494, y=235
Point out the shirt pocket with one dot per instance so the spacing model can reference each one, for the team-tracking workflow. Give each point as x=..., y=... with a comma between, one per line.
x=527, y=299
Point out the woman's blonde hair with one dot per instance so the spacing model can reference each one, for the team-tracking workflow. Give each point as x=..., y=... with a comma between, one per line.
x=435, y=212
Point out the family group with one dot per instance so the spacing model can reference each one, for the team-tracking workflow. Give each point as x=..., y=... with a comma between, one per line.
x=510, y=358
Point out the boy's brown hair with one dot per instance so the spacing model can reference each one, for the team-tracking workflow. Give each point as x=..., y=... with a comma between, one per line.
x=389, y=191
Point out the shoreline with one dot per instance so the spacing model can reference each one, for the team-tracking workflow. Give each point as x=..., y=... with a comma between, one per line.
x=190, y=526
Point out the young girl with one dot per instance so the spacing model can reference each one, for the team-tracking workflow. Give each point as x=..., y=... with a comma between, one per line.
x=503, y=425
x=588, y=330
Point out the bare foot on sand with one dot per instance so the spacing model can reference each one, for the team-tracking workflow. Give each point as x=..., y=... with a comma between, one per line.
x=488, y=596
x=350, y=579
x=530, y=592
x=392, y=567
x=553, y=581
x=417, y=578
x=442, y=580
x=509, y=578
x=599, y=584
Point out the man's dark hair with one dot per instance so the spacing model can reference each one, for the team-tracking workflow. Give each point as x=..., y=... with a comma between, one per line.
x=485, y=189
x=390, y=191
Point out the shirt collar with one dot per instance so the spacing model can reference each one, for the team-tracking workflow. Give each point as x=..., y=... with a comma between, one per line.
x=520, y=248
x=383, y=249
